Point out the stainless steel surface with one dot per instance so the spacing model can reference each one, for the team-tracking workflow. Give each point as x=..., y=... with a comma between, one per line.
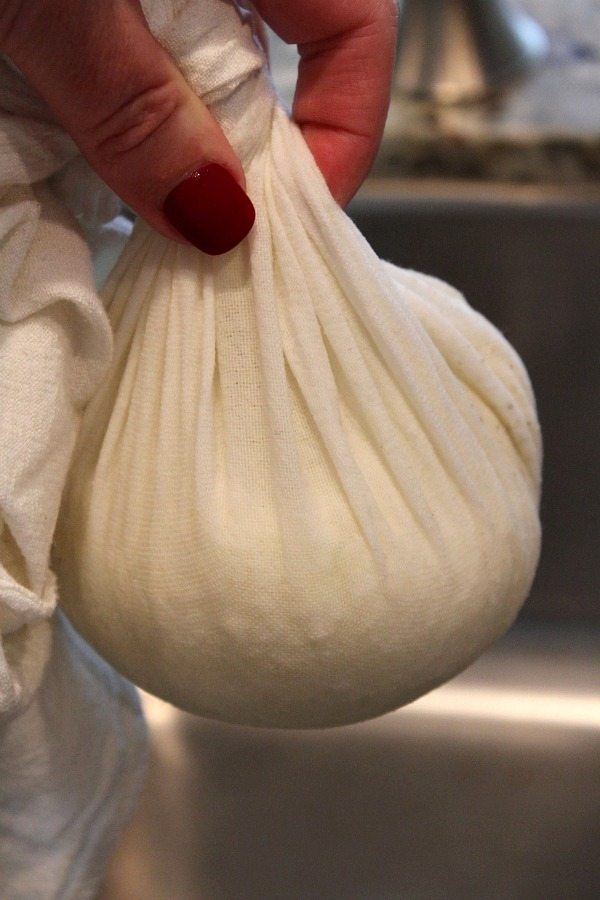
x=460, y=50
x=489, y=787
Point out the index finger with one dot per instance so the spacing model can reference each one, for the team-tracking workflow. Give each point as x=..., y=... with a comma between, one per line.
x=347, y=52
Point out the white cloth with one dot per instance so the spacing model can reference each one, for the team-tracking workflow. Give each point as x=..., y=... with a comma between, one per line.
x=72, y=737
x=307, y=490
x=374, y=399
x=71, y=766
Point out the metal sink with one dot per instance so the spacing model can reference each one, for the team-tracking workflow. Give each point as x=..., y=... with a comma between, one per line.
x=489, y=787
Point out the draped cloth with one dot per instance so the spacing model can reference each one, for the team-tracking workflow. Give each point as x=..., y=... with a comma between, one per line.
x=72, y=735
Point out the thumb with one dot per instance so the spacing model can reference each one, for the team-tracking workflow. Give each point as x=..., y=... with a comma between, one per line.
x=128, y=108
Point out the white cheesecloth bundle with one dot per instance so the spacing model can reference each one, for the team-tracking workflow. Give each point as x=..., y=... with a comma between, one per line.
x=307, y=490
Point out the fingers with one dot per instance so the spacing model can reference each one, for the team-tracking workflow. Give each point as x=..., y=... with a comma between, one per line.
x=123, y=101
x=347, y=52
x=126, y=105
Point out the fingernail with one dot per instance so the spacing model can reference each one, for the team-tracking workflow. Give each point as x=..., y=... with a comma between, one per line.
x=210, y=210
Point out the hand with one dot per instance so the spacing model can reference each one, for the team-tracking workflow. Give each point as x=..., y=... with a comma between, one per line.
x=125, y=104
x=347, y=51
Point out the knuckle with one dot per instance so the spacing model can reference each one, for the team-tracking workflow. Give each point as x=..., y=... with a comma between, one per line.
x=136, y=121
x=379, y=18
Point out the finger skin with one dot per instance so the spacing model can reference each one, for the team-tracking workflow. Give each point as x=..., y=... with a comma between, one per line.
x=347, y=51
x=128, y=108
x=118, y=94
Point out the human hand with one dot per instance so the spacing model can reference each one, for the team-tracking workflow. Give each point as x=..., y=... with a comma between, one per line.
x=125, y=104
x=347, y=52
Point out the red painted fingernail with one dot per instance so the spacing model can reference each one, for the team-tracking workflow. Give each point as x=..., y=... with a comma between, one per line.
x=210, y=210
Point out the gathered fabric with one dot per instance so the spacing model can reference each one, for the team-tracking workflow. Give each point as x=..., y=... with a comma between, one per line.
x=307, y=490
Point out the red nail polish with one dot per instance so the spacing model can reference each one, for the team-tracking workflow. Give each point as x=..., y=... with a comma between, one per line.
x=210, y=210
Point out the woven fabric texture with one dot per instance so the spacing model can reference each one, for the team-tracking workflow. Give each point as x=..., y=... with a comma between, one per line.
x=307, y=490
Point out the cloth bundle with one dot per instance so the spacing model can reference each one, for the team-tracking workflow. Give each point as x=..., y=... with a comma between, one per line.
x=307, y=490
